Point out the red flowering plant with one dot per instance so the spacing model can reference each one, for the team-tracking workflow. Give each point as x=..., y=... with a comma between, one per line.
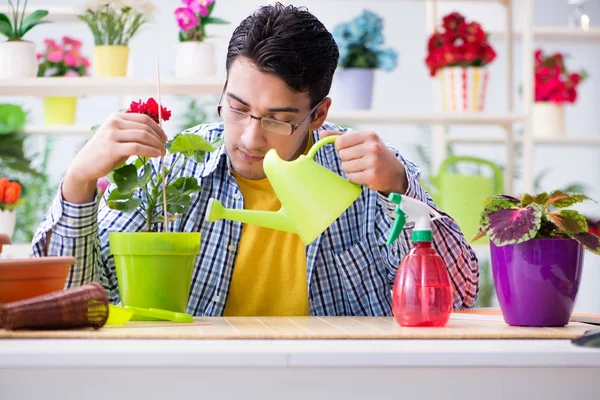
x=458, y=43
x=135, y=180
x=62, y=59
x=10, y=195
x=553, y=82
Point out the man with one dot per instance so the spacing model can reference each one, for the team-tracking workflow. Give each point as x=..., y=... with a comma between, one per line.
x=280, y=64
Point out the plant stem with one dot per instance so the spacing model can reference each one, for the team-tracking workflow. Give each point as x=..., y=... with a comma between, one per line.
x=170, y=169
x=22, y=18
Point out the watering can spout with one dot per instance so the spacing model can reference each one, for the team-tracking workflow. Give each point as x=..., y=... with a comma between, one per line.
x=312, y=197
x=267, y=219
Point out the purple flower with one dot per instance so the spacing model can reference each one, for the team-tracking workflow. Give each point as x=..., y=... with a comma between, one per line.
x=186, y=19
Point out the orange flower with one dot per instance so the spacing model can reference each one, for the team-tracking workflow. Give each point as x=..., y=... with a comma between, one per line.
x=3, y=184
x=12, y=193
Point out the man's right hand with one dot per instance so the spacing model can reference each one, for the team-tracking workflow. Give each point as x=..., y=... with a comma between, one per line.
x=121, y=136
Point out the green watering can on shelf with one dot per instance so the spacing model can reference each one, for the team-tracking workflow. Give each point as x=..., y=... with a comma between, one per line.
x=312, y=197
x=462, y=196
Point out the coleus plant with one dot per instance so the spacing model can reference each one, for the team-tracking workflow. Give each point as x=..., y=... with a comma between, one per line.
x=508, y=220
x=137, y=175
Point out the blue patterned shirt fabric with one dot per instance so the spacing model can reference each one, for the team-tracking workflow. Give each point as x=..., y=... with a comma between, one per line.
x=350, y=269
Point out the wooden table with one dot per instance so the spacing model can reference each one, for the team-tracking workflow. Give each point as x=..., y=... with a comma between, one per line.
x=104, y=368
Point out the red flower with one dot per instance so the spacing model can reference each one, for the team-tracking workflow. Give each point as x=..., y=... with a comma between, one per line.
x=458, y=43
x=150, y=108
x=552, y=80
x=451, y=21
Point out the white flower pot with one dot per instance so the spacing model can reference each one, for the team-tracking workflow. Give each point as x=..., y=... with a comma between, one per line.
x=353, y=89
x=195, y=60
x=7, y=222
x=463, y=88
x=17, y=60
x=548, y=120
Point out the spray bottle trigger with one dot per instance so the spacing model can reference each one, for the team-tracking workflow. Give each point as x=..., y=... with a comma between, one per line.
x=400, y=218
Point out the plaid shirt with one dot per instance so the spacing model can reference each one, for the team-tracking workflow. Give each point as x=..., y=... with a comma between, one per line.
x=350, y=270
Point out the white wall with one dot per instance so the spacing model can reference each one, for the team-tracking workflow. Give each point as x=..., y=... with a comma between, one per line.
x=408, y=88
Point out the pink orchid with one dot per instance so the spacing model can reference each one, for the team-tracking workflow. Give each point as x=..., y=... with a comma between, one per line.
x=69, y=41
x=85, y=62
x=199, y=6
x=56, y=56
x=50, y=43
x=186, y=19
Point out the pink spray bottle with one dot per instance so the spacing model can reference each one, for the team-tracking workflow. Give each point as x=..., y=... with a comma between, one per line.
x=422, y=295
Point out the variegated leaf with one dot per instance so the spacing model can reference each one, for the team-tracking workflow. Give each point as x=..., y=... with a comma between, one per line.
x=589, y=241
x=568, y=221
x=515, y=225
x=560, y=199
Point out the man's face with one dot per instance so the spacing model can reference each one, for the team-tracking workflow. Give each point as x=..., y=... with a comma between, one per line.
x=265, y=95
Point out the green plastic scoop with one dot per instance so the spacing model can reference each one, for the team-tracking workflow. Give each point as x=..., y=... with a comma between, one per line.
x=121, y=315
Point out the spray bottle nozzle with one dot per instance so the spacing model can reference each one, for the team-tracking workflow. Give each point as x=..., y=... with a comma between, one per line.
x=400, y=218
x=413, y=210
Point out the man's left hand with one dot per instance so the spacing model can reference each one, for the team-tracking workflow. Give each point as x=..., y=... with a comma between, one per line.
x=368, y=161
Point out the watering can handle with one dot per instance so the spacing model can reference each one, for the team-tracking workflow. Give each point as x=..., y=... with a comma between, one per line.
x=498, y=176
x=326, y=140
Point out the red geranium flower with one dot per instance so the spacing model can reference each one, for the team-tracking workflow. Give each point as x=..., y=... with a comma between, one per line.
x=150, y=108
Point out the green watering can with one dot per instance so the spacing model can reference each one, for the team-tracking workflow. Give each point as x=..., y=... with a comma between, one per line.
x=312, y=197
x=462, y=196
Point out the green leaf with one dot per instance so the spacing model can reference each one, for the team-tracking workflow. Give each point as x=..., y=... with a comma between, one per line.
x=126, y=178
x=32, y=20
x=6, y=26
x=541, y=198
x=186, y=185
x=527, y=199
x=568, y=221
x=176, y=201
x=13, y=206
x=560, y=199
x=12, y=118
x=498, y=202
x=161, y=218
x=189, y=142
x=217, y=21
x=192, y=145
x=122, y=202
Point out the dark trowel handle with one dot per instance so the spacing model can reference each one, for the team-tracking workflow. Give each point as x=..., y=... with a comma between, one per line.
x=589, y=339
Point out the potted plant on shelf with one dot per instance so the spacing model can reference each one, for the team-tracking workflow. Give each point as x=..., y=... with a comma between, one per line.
x=195, y=55
x=113, y=25
x=360, y=44
x=537, y=255
x=10, y=200
x=18, y=55
x=457, y=54
x=62, y=59
x=554, y=87
x=154, y=269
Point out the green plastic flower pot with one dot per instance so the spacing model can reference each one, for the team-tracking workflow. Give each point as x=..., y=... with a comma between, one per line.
x=155, y=269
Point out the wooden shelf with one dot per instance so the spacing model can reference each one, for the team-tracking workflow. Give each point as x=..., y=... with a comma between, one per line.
x=554, y=34
x=465, y=118
x=55, y=14
x=562, y=141
x=92, y=86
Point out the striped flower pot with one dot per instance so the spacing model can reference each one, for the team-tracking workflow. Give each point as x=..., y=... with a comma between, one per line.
x=463, y=88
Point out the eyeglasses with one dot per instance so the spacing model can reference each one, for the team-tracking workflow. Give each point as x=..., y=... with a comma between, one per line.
x=272, y=125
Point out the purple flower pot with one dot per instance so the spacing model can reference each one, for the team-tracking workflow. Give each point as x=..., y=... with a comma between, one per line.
x=537, y=281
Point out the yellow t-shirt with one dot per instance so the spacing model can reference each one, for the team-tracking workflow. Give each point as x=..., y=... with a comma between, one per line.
x=269, y=274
